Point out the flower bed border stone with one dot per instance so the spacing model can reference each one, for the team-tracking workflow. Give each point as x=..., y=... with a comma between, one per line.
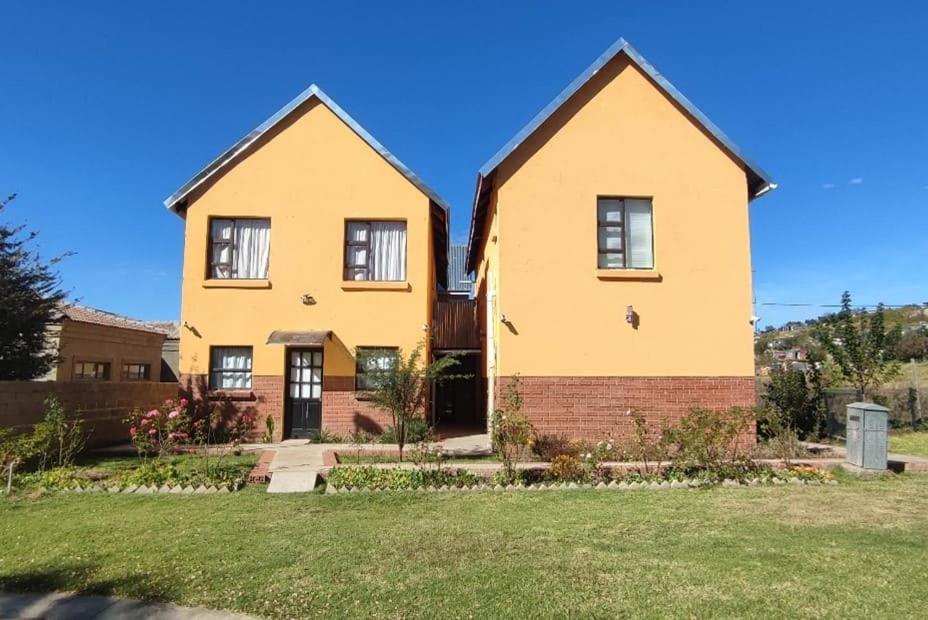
x=602, y=486
x=226, y=487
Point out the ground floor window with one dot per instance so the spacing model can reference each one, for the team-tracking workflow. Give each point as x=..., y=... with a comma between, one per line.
x=136, y=372
x=91, y=371
x=230, y=368
x=371, y=361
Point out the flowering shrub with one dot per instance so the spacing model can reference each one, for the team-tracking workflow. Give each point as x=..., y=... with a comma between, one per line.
x=512, y=431
x=429, y=456
x=566, y=468
x=159, y=430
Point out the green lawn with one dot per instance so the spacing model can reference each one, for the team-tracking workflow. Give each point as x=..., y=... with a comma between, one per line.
x=915, y=444
x=856, y=549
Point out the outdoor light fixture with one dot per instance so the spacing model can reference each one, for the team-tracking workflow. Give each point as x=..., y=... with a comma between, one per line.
x=630, y=314
x=503, y=319
x=309, y=300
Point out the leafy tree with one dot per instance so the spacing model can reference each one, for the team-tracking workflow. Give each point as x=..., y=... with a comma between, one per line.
x=401, y=388
x=798, y=399
x=30, y=293
x=859, y=346
x=912, y=345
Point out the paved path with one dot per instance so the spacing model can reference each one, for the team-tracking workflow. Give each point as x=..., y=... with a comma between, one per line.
x=903, y=462
x=297, y=463
x=67, y=606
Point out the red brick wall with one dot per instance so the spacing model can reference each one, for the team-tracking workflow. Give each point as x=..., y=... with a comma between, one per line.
x=343, y=413
x=596, y=407
x=265, y=398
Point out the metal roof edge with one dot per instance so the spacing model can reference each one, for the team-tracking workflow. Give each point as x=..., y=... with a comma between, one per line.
x=313, y=91
x=620, y=46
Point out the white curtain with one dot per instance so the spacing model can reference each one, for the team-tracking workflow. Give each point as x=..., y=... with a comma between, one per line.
x=388, y=247
x=232, y=367
x=252, y=249
x=640, y=233
x=356, y=255
x=222, y=230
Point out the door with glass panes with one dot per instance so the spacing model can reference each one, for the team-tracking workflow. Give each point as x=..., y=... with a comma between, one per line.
x=304, y=392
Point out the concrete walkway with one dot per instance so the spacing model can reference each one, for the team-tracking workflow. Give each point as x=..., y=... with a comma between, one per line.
x=897, y=462
x=297, y=463
x=68, y=606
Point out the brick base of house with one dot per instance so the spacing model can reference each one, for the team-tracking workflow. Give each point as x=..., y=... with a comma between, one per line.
x=595, y=408
x=342, y=411
x=264, y=400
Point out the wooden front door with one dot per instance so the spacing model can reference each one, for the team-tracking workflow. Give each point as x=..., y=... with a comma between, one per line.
x=304, y=392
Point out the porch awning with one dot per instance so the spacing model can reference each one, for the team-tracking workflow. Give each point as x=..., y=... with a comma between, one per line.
x=307, y=338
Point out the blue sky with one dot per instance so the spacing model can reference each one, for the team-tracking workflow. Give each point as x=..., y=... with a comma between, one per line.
x=108, y=107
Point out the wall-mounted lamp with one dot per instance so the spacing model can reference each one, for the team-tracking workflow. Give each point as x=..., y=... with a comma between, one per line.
x=309, y=300
x=630, y=314
x=503, y=319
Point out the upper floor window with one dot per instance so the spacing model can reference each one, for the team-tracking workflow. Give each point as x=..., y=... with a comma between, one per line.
x=372, y=361
x=91, y=371
x=136, y=372
x=230, y=368
x=239, y=249
x=375, y=251
x=625, y=233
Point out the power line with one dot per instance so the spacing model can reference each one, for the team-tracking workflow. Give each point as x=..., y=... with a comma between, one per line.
x=807, y=305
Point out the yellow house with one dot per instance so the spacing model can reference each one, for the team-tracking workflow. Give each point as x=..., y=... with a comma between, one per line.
x=303, y=241
x=611, y=248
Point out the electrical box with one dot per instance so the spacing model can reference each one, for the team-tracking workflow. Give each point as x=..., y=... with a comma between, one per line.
x=867, y=427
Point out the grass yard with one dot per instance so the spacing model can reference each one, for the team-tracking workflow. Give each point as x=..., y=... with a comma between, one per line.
x=913, y=443
x=857, y=549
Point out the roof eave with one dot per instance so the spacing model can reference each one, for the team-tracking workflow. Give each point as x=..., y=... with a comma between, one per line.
x=175, y=200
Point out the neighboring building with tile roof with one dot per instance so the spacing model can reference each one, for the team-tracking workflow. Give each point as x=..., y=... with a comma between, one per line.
x=95, y=345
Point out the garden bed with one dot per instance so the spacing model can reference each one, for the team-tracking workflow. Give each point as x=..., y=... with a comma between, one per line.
x=174, y=474
x=386, y=477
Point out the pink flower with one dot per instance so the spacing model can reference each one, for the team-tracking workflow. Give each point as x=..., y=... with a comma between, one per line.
x=145, y=422
x=132, y=432
x=173, y=414
x=152, y=431
x=183, y=402
x=154, y=413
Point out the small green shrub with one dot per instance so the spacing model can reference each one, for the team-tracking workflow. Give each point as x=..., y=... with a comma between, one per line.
x=566, y=468
x=268, y=429
x=58, y=438
x=512, y=431
x=709, y=439
x=396, y=478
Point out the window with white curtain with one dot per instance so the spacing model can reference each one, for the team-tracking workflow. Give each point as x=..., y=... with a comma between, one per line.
x=239, y=249
x=230, y=368
x=625, y=232
x=371, y=362
x=375, y=251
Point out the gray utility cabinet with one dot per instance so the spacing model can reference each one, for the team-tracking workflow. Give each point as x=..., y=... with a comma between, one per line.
x=867, y=426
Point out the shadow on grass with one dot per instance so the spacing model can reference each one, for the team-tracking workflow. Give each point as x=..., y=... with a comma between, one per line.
x=80, y=579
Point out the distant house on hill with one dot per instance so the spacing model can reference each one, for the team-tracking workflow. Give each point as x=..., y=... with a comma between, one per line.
x=95, y=345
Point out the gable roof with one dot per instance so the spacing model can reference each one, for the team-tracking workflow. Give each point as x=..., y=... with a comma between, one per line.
x=759, y=182
x=176, y=199
x=85, y=314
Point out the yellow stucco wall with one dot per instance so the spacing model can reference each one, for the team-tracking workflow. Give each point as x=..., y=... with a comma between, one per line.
x=621, y=136
x=308, y=175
